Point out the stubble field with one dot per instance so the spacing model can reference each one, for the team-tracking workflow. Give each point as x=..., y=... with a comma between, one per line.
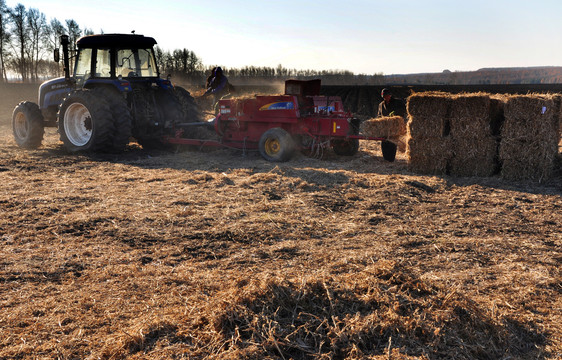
x=223, y=255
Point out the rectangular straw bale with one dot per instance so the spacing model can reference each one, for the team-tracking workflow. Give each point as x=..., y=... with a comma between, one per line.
x=473, y=143
x=429, y=112
x=530, y=137
x=474, y=156
x=527, y=160
x=470, y=115
x=531, y=117
x=385, y=127
x=429, y=155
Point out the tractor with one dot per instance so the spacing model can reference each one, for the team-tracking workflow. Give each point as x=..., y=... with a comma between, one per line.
x=115, y=92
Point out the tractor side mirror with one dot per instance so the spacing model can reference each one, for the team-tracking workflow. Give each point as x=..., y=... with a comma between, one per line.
x=57, y=55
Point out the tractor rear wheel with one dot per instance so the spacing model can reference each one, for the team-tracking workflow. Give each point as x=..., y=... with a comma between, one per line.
x=27, y=125
x=277, y=145
x=122, y=118
x=347, y=147
x=388, y=149
x=85, y=122
x=189, y=108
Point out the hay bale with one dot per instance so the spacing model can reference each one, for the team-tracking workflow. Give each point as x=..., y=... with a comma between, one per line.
x=428, y=144
x=393, y=128
x=429, y=114
x=385, y=127
x=474, y=156
x=530, y=137
x=473, y=124
x=470, y=115
x=429, y=155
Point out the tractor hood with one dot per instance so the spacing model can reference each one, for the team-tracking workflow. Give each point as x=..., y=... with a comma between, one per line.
x=52, y=92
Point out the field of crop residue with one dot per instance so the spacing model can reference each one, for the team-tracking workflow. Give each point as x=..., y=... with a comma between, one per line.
x=223, y=255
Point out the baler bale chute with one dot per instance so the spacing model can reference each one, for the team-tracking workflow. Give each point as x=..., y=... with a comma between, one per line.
x=278, y=125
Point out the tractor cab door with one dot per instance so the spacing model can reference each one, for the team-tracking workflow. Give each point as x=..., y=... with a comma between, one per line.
x=83, y=69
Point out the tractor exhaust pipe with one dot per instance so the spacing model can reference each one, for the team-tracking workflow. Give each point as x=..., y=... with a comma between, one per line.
x=66, y=60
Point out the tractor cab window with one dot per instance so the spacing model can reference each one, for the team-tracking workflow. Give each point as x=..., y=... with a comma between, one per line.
x=83, y=66
x=135, y=63
x=103, y=63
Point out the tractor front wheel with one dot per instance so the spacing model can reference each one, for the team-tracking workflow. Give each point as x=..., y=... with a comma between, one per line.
x=348, y=147
x=85, y=122
x=277, y=145
x=27, y=125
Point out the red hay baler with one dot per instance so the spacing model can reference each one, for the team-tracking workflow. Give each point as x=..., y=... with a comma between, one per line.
x=277, y=125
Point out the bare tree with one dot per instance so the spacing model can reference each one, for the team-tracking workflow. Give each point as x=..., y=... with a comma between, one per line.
x=74, y=32
x=36, y=24
x=18, y=17
x=52, y=40
x=4, y=40
x=53, y=34
x=194, y=63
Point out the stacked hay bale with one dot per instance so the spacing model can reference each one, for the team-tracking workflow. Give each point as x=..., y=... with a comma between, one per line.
x=429, y=142
x=530, y=137
x=475, y=120
x=477, y=134
x=392, y=128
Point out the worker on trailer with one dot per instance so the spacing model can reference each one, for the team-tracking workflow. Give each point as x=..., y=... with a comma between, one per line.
x=391, y=106
x=217, y=85
x=210, y=77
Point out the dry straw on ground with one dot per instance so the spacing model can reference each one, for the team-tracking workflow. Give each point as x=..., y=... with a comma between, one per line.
x=530, y=137
x=222, y=255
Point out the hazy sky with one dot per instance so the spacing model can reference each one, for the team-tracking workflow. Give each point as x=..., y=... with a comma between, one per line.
x=392, y=37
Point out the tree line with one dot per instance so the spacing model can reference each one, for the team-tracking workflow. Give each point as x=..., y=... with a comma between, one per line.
x=28, y=39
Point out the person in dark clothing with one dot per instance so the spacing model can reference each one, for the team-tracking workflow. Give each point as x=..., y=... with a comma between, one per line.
x=210, y=77
x=217, y=84
x=391, y=106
